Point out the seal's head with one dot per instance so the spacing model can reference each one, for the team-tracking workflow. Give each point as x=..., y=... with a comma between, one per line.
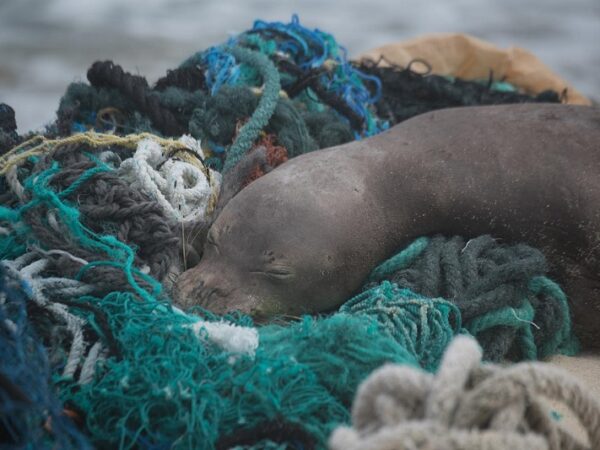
x=265, y=266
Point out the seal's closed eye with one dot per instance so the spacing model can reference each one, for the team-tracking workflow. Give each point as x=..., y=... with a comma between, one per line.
x=276, y=272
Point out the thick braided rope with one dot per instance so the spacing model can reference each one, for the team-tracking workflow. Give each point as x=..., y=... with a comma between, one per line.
x=184, y=191
x=266, y=106
x=467, y=406
x=502, y=292
x=135, y=87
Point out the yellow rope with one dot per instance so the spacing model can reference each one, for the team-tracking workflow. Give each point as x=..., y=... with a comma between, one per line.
x=39, y=145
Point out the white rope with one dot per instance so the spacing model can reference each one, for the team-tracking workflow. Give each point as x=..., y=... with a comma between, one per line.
x=88, y=369
x=182, y=189
x=12, y=178
x=467, y=406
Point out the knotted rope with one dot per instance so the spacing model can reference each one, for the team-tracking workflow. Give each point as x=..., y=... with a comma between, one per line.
x=186, y=192
x=467, y=406
x=502, y=292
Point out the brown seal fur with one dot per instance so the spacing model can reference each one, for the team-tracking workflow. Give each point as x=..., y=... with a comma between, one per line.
x=303, y=238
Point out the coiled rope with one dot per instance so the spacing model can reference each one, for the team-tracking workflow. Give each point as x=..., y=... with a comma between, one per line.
x=467, y=406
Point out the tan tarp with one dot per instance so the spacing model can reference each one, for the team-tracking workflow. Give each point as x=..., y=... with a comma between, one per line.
x=469, y=58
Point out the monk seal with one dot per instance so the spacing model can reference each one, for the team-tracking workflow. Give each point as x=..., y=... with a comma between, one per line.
x=303, y=238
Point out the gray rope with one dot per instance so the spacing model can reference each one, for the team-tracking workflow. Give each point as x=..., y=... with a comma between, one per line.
x=467, y=406
x=43, y=290
x=96, y=355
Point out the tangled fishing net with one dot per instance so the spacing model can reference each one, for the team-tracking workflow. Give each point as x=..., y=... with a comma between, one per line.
x=101, y=214
x=282, y=79
x=138, y=372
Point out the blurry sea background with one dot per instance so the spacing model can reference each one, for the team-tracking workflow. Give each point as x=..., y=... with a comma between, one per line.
x=46, y=44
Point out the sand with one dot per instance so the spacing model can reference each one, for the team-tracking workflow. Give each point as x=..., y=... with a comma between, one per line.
x=586, y=368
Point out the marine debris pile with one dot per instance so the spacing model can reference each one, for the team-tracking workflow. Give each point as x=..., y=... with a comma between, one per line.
x=97, y=220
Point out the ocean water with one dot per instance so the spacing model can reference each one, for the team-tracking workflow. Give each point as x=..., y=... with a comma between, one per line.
x=46, y=44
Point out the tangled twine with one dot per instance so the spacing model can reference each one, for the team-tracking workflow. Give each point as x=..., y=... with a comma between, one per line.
x=407, y=93
x=503, y=295
x=79, y=334
x=48, y=293
x=149, y=192
x=421, y=325
x=40, y=145
x=172, y=389
x=109, y=203
x=277, y=78
x=467, y=406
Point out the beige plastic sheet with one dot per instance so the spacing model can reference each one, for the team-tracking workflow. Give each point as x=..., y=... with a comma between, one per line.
x=470, y=58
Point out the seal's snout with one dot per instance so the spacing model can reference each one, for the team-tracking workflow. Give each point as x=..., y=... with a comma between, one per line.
x=208, y=287
x=217, y=290
x=212, y=294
